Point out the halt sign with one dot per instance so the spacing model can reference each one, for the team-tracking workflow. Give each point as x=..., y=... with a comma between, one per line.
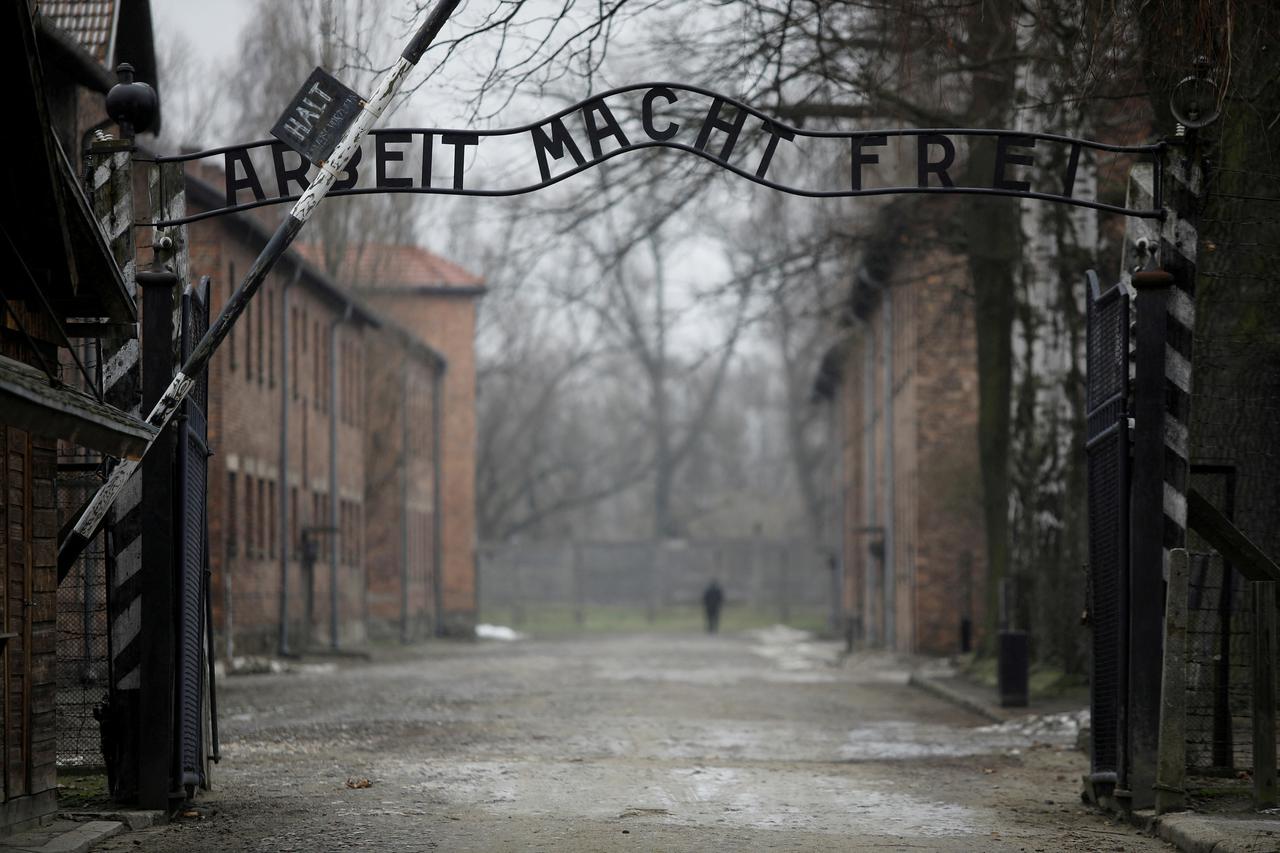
x=317, y=116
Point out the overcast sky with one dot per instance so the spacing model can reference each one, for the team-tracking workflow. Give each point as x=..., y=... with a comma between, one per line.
x=214, y=25
x=215, y=28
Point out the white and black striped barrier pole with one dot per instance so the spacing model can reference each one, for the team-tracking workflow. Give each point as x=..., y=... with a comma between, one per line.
x=331, y=168
x=1165, y=299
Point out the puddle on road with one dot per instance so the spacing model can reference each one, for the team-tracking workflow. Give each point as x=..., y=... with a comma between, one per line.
x=896, y=740
x=794, y=656
x=755, y=798
x=793, y=650
x=719, y=676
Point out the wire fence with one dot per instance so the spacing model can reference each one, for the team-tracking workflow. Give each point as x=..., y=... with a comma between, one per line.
x=633, y=584
x=82, y=668
x=82, y=678
x=1219, y=667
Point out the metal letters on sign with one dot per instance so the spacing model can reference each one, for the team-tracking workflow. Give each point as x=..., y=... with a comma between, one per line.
x=727, y=132
x=317, y=116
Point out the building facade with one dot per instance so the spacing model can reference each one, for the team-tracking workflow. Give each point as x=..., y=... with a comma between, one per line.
x=902, y=384
x=435, y=301
x=358, y=412
x=67, y=301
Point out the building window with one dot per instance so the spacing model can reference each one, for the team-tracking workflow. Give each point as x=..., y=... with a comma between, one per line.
x=345, y=402
x=323, y=521
x=293, y=354
x=231, y=282
x=293, y=520
x=261, y=330
x=248, y=341
x=262, y=516
x=271, y=339
x=317, y=362
x=315, y=519
x=353, y=534
x=249, y=541
x=271, y=519
x=346, y=532
x=231, y=514
x=356, y=384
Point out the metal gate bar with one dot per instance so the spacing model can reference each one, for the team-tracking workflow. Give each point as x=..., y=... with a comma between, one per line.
x=1107, y=453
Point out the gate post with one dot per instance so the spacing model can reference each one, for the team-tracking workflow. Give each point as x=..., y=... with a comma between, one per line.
x=1264, y=694
x=1162, y=407
x=160, y=350
x=110, y=167
x=156, y=635
x=1146, y=541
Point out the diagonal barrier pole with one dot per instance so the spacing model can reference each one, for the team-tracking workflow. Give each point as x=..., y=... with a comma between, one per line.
x=330, y=169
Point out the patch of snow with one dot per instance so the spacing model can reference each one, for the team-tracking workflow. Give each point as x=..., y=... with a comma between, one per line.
x=485, y=631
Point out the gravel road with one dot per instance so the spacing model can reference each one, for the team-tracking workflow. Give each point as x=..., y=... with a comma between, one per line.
x=759, y=741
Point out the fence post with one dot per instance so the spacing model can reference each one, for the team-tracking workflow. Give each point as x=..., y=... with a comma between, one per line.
x=1171, y=771
x=651, y=604
x=156, y=635
x=161, y=314
x=110, y=166
x=579, y=617
x=1162, y=406
x=517, y=600
x=1264, y=694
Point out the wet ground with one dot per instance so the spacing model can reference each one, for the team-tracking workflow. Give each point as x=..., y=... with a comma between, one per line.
x=759, y=741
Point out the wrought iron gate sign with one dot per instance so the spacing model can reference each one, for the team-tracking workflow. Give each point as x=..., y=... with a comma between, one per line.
x=317, y=116
x=727, y=132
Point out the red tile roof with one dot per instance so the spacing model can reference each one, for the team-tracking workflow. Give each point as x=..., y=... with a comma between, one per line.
x=90, y=22
x=391, y=265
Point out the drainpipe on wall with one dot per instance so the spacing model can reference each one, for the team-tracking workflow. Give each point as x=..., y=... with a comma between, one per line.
x=285, y=353
x=437, y=554
x=890, y=635
x=868, y=480
x=404, y=502
x=833, y=513
x=335, y=532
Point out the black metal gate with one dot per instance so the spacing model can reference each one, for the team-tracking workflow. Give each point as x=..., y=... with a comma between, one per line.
x=192, y=549
x=1107, y=454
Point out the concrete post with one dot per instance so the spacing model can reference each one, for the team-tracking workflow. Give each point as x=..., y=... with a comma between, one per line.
x=1171, y=771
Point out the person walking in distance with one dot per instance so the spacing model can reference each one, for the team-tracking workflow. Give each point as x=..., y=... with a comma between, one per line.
x=712, y=599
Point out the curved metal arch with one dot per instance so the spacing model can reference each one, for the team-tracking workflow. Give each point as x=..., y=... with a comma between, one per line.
x=1152, y=150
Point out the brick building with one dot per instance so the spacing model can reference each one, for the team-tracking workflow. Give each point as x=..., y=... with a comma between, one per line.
x=402, y=441
x=315, y=381
x=60, y=269
x=435, y=301
x=902, y=383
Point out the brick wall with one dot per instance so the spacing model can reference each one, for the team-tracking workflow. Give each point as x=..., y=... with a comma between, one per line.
x=247, y=382
x=937, y=546
x=400, y=496
x=28, y=571
x=386, y=528
x=446, y=321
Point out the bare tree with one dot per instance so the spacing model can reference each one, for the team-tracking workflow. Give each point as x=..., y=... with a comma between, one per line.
x=278, y=55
